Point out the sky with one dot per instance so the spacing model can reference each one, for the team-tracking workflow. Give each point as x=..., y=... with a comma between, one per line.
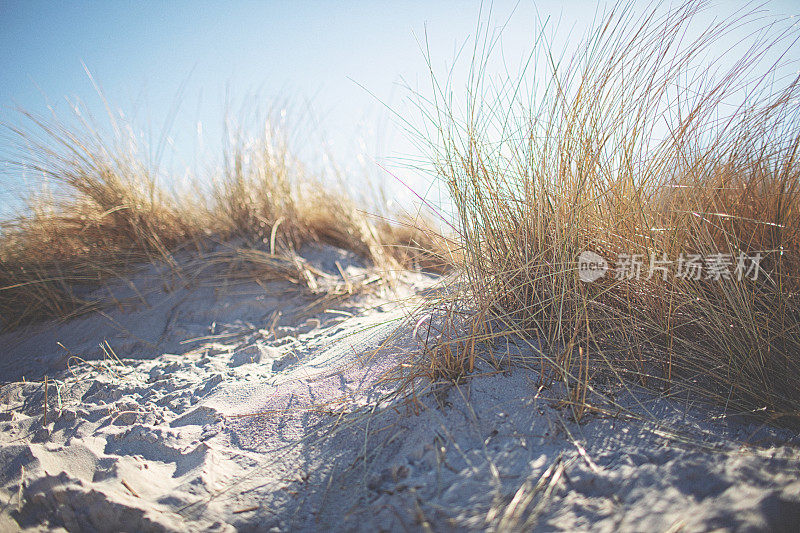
x=339, y=69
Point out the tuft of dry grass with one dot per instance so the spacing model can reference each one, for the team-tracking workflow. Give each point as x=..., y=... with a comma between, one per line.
x=635, y=146
x=99, y=209
x=103, y=210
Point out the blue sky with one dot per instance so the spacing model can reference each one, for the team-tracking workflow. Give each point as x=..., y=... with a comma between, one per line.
x=147, y=56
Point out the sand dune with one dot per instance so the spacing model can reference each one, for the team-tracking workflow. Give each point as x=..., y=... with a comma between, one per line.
x=218, y=405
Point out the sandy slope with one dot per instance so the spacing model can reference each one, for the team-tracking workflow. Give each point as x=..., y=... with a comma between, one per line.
x=223, y=414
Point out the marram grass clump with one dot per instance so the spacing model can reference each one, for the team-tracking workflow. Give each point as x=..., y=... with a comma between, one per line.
x=103, y=210
x=637, y=148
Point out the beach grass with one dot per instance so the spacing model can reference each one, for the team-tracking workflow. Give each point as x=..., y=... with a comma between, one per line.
x=99, y=209
x=641, y=147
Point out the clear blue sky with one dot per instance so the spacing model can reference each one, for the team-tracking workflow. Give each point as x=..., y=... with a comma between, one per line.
x=141, y=53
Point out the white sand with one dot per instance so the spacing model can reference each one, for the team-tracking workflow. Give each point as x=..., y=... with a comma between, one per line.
x=210, y=422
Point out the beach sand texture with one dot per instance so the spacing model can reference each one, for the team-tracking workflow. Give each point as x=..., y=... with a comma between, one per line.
x=203, y=411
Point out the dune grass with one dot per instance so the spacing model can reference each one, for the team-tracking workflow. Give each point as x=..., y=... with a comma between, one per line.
x=640, y=148
x=103, y=209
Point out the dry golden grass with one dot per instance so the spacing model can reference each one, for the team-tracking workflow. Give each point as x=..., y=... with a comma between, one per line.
x=104, y=211
x=543, y=170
